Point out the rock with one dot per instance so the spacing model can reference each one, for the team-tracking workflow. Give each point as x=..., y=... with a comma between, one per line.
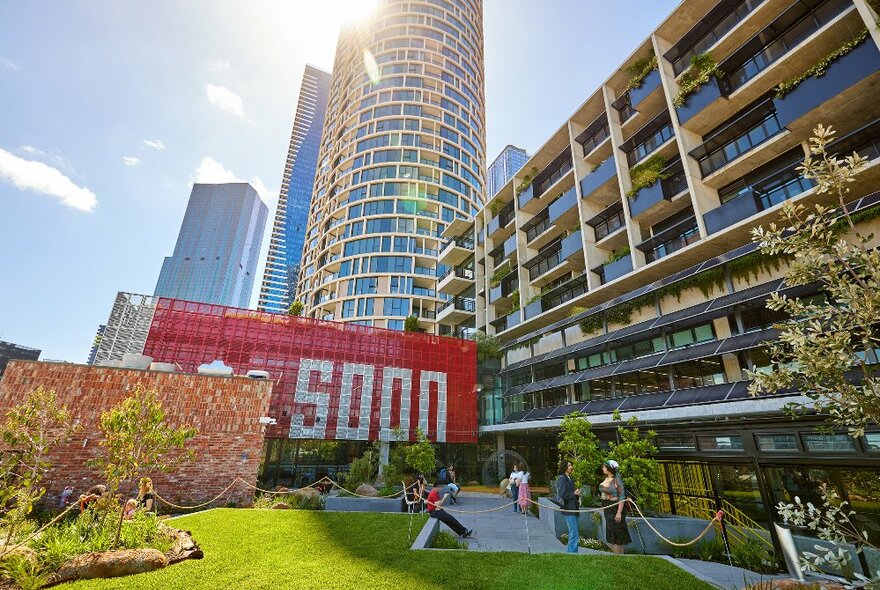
x=23, y=551
x=366, y=489
x=306, y=493
x=110, y=564
x=280, y=506
x=184, y=546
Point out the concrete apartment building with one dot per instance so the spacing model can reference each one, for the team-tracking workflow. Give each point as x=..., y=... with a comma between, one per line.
x=649, y=299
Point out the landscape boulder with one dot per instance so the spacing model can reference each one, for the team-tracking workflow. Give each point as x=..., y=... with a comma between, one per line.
x=183, y=547
x=280, y=506
x=110, y=564
x=366, y=489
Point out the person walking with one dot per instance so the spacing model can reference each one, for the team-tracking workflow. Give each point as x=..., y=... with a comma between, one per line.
x=435, y=510
x=525, y=493
x=569, y=498
x=613, y=500
x=515, y=477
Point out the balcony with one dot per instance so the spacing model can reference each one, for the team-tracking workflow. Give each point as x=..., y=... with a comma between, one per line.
x=661, y=191
x=670, y=240
x=557, y=296
x=564, y=204
x=506, y=322
x=650, y=83
x=799, y=21
x=768, y=185
x=505, y=288
x=456, y=310
x=456, y=280
x=598, y=178
x=510, y=247
x=750, y=129
x=851, y=69
x=594, y=135
x=614, y=270
x=648, y=139
x=699, y=100
x=552, y=262
x=501, y=221
x=608, y=221
x=456, y=251
x=526, y=195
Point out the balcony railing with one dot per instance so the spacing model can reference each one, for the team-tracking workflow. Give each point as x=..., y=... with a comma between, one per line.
x=565, y=292
x=747, y=131
x=719, y=21
x=664, y=189
x=460, y=303
x=598, y=177
x=802, y=19
x=460, y=272
x=461, y=242
x=424, y=270
x=537, y=226
x=614, y=270
x=649, y=84
x=670, y=240
x=503, y=219
x=558, y=168
x=594, y=134
x=648, y=139
x=553, y=255
x=608, y=221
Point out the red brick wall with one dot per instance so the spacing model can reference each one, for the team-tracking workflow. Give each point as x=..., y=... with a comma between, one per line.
x=224, y=410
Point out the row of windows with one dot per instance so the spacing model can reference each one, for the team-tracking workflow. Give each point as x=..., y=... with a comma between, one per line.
x=387, y=244
x=365, y=306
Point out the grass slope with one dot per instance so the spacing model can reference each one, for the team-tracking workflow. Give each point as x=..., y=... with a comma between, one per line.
x=256, y=549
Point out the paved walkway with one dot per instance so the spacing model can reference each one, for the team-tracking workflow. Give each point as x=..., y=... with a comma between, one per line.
x=502, y=530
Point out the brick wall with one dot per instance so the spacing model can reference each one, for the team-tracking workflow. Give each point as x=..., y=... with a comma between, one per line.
x=224, y=410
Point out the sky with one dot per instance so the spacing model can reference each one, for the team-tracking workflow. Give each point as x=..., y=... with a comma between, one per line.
x=111, y=109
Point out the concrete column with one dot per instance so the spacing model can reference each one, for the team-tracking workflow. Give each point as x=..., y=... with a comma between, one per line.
x=384, y=450
x=499, y=452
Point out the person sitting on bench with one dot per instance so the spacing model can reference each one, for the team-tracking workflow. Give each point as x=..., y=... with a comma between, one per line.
x=435, y=510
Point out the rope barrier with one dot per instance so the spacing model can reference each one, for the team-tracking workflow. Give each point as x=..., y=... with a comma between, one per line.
x=7, y=548
x=716, y=519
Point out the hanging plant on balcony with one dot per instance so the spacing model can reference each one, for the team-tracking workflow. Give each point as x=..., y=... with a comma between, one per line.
x=752, y=265
x=488, y=347
x=707, y=282
x=495, y=207
x=535, y=297
x=526, y=181
x=703, y=68
x=516, y=301
x=639, y=71
x=588, y=325
x=622, y=312
x=875, y=6
x=819, y=69
x=621, y=252
x=499, y=274
x=647, y=173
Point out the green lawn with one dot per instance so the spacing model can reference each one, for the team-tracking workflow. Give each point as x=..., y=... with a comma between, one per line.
x=250, y=549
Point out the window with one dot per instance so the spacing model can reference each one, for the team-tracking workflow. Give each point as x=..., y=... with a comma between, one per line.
x=366, y=286
x=597, y=389
x=396, y=307
x=872, y=441
x=594, y=360
x=395, y=325
x=774, y=443
x=829, y=443
x=556, y=370
x=690, y=336
x=676, y=443
x=699, y=373
x=720, y=443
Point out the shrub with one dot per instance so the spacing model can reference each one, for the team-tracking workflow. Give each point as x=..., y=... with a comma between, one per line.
x=647, y=173
x=753, y=555
x=411, y=324
x=586, y=543
x=25, y=573
x=703, y=68
x=296, y=308
x=445, y=540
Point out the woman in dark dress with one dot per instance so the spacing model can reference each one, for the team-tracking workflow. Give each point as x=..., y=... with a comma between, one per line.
x=614, y=499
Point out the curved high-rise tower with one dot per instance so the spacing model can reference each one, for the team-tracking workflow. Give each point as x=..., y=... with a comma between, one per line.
x=402, y=156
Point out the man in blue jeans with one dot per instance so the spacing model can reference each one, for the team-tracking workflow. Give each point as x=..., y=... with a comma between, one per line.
x=515, y=478
x=569, y=496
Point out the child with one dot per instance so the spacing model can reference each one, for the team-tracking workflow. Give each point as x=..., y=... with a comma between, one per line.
x=130, y=508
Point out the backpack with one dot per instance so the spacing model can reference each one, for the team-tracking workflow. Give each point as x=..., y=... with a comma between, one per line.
x=444, y=475
x=555, y=496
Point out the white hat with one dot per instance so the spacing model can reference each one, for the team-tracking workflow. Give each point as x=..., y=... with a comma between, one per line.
x=612, y=464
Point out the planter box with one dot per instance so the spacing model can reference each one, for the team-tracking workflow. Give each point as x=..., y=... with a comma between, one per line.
x=533, y=309
x=618, y=268
x=731, y=212
x=353, y=504
x=650, y=83
x=698, y=100
x=605, y=172
x=563, y=204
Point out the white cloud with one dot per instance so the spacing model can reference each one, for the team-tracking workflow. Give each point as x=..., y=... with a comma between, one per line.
x=8, y=64
x=42, y=178
x=130, y=160
x=219, y=65
x=225, y=100
x=210, y=171
x=29, y=149
x=156, y=144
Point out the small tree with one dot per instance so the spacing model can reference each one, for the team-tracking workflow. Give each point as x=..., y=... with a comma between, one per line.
x=31, y=429
x=578, y=444
x=420, y=455
x=138, y=441
x=488, y=347
x=296, y=308
x=638, y=467
x=825, y=350
x=411, y=324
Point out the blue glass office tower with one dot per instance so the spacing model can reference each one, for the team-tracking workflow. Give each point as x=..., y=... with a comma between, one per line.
x=216, y=255
x=278, y=289
x=508, y=163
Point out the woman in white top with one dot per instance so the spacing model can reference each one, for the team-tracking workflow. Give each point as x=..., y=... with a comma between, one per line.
x=525, y=493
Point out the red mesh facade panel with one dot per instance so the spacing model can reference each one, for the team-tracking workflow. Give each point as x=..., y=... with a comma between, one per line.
x=331, y=380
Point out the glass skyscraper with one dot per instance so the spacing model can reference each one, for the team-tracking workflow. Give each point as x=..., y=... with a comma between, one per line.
x=278, y=289
x=402, y=157
x=215, y=258
x=508, y=163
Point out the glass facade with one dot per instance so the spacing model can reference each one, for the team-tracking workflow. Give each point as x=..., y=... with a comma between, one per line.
x=215, y=258
x=278, y=289
x=509, y=162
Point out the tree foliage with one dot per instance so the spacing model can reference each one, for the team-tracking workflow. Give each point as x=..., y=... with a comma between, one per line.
x=578, y=444
x=30, y=430
x=137, y=441
x=638, y=467
x=421, y=455
x=411, y=324
x=826, y=350
x=296, y=308
x=488, y=347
